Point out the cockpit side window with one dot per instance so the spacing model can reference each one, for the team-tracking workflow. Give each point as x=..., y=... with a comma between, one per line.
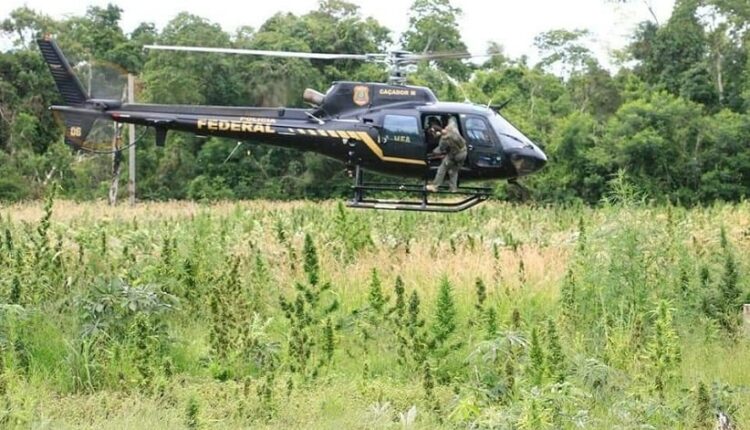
x=509, y=135
x=477, y=131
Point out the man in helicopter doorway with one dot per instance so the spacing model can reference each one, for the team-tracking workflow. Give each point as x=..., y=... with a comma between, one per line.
x=454, y=147
x=433, y=132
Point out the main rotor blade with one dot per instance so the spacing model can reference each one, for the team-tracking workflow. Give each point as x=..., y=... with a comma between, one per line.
x=437, y=56
x=443, y=56
x=285, y=54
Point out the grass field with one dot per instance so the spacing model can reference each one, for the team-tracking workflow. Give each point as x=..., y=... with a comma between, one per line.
x=308, y=315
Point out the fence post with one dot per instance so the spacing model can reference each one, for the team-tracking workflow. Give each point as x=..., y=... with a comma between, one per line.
x=131, y=142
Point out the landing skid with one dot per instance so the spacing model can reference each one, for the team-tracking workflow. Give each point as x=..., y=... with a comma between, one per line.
x=470, y=196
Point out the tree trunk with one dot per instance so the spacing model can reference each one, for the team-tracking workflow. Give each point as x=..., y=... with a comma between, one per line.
x=719, y=79
x=651, y=11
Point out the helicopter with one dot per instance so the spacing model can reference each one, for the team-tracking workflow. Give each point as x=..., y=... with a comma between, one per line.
x=368, y=126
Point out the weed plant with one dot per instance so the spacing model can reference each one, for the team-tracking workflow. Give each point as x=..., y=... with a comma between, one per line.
x=300, y=315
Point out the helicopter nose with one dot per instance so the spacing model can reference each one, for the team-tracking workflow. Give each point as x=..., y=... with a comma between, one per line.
x=528, y=159
x=541, y=157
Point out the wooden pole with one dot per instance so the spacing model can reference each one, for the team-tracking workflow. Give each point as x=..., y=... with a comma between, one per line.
x=131, y=141
x=114, y=186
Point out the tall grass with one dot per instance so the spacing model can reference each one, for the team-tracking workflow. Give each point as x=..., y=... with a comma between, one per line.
x=301, y=315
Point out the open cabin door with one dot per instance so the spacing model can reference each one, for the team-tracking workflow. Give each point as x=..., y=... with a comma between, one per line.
x=403, y=135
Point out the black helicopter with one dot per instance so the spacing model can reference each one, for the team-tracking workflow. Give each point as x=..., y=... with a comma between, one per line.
x=370, y=126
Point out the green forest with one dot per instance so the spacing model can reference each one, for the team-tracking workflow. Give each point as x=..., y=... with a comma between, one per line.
x=671, y=121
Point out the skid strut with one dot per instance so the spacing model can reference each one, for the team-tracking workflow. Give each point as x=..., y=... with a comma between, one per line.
x=470, y=196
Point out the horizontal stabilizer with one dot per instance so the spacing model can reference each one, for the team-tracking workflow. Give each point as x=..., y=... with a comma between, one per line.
x=77, y=128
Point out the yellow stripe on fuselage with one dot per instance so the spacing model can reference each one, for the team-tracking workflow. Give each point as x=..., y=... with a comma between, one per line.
x=364, y=138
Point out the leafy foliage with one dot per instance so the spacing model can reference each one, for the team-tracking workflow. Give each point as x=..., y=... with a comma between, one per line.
x=202, y=315
x=674, y=117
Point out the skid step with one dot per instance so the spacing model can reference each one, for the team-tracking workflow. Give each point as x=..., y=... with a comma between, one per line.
x=419, y=206
x=469, y=196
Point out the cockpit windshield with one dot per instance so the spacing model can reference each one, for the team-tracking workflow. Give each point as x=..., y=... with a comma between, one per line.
x=508, y=134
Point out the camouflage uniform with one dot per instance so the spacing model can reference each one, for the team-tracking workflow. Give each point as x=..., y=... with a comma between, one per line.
x=433, y=133
x=454, y=147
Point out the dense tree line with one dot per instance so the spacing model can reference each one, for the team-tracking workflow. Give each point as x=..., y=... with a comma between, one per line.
x=672, y=120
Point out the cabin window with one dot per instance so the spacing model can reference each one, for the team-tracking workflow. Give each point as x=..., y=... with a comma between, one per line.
x=401, y=128
x=477, y=132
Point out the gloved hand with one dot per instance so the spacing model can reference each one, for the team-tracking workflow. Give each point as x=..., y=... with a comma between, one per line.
x=434, y=155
